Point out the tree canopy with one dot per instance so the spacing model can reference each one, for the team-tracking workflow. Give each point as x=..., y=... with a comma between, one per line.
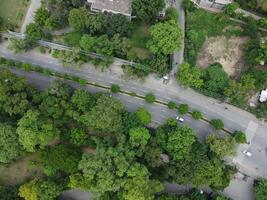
x=9, y=143
x=165, y=37
x=146, y=9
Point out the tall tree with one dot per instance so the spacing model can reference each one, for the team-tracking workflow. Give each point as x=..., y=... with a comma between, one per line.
x=146, y=9
x=78, y=18
x=14, y=93
x=9, y=143
x=165, y=37
x=260, y=189
x=221, y=146
x=33, y=130
x=189, y=76
x=59, y=158
x=105, y=116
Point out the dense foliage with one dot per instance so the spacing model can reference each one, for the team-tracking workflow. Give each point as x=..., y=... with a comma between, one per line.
x=89, y=141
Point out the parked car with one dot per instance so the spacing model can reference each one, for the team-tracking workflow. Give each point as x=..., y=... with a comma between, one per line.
x=247, y=153
x=180, y=119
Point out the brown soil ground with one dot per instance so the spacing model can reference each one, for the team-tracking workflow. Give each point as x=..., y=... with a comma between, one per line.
x=227, y=51
x=19, y=171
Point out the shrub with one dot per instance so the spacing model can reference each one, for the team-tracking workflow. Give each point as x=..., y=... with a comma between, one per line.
x=26, y=67
x=42, y=49
x=240, y=137
x=82, y=81
x=115, y=88
x=183, y=109
x=133, y=94
x=143, y=115
x=197, y=115
x=171, y=105
x=150, y=98
x=217, y=124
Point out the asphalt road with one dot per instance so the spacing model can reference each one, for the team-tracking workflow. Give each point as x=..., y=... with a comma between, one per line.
x=159, y=112
x=234, y=118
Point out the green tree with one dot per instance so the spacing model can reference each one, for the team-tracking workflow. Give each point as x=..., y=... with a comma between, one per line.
x=78, y=18
x=119, y=24
x=159, y=63
x=33, y=31
x=165, y=38
x=231, y=8
x=139, y=137
x=196, y=114
x=40, y=190
x=55, y=103
x=88, y=43
x=138, y=185
x=260, y=189
x=189, y=76
x=216, y=79
x=105, y=116
x=221, y=146
x=41, y=16
x=20, y=45
x=240, y=137
x=97, y=23
x=183, y=109
x=147, y=10
x=83, y=101
x=78, y=136
x=28, y=191
x=143, y=115
x=171, y=14
x=9, y=143
x=14, y=93
x=61, y=158
x=9, y=193
x=180, y=141
x=71, y=58
x=150, y=98
x=35, y=130
x=217, y=124
x=171, y=105
x=115, y=88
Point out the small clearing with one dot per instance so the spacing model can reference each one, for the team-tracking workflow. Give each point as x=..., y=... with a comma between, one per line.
x=19, y=171
x=227, y=51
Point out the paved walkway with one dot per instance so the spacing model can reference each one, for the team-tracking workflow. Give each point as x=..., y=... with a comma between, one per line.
x=35, y=4
x=178, y=57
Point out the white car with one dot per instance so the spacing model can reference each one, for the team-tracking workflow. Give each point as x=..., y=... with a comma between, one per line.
x=247, y=153
x=180, y=119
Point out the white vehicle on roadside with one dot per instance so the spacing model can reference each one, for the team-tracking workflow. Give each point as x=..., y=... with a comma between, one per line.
x=247, y=153
x=180, y=119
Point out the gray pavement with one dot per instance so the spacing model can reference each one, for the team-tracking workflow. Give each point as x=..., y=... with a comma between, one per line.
x=178, y=57
x=35, y=4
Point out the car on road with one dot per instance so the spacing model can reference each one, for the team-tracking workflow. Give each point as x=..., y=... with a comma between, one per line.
x=247, y=153
x=180, y=119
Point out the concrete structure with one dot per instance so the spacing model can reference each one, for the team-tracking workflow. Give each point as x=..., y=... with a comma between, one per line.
x=263, y=96
x=114, y=6
x=217, y=4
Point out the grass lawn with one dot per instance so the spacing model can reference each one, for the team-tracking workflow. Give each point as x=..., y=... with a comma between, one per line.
x=139, y=38
x=19, y=171
x=13, y=12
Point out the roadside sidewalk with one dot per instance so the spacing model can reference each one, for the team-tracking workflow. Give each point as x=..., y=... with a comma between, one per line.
x=35, y=4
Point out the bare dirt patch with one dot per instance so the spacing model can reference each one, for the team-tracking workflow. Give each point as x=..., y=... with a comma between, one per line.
x=19, y=171
x=227, y=51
